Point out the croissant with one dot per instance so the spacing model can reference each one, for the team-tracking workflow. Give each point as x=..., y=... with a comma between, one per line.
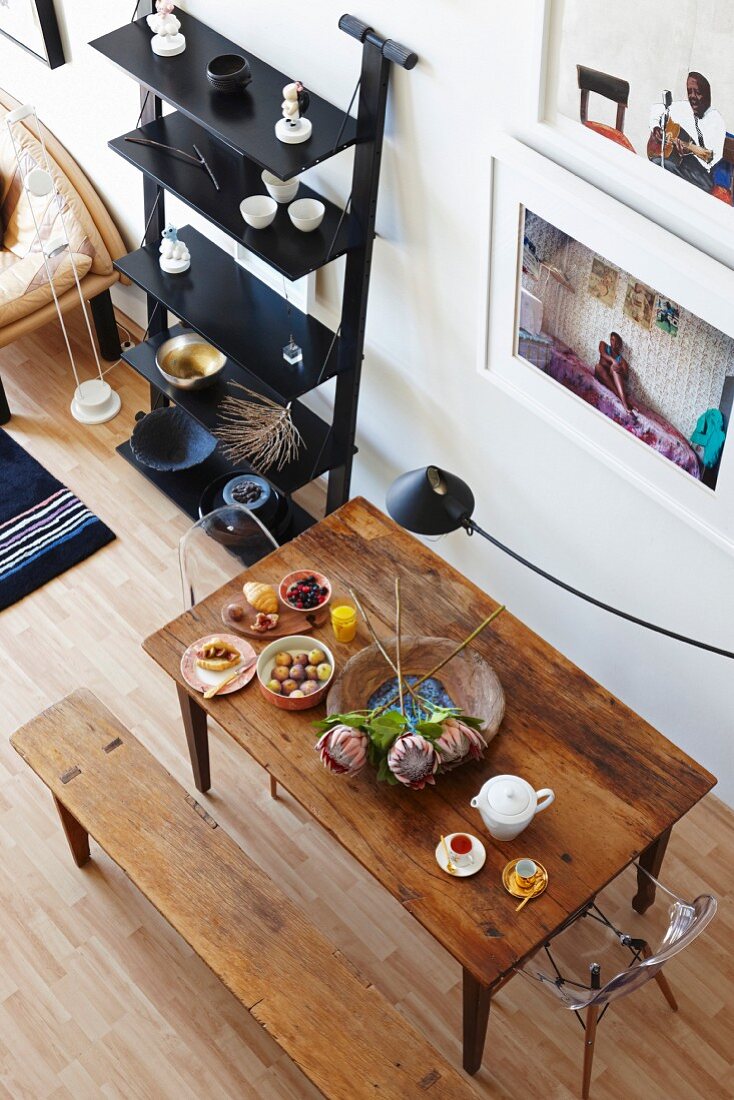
x=262, y=597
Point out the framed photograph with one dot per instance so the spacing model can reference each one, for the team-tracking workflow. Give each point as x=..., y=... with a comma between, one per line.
x=32, y=24
x=667, y=316
x=603, y=282
x=639, y=301
x=644, y=109
x=623, y=338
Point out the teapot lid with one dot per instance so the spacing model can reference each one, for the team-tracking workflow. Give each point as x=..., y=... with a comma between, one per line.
x=509, y=796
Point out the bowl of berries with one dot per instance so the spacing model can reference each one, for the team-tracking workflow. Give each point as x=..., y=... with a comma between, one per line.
x=305, y=591
x=295, y=673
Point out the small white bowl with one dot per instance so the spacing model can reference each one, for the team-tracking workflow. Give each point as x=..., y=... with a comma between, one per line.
x=306, y=214
x=280, y=190
x=258, y=210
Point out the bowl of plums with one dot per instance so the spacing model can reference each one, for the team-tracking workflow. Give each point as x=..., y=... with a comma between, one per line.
x=305, y=591
x=295, y=673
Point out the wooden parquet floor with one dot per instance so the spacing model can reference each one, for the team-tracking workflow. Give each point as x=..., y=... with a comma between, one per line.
x=100, y=998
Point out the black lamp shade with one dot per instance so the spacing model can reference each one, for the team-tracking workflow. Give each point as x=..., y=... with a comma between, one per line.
x=430, y=501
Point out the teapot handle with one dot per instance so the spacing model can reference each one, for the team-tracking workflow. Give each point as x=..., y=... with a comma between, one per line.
x=547, y=795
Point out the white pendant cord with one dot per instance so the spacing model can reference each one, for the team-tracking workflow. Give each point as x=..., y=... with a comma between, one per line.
x=46, y=264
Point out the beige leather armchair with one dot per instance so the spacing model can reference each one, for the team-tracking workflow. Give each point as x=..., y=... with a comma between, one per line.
x=26, y=300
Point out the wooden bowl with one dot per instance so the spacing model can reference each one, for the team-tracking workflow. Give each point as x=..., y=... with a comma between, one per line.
x=299, y=575
x=469, y=681
x=292, y=645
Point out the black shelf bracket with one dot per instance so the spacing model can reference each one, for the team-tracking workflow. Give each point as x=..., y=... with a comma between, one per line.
x=391, y=50
x=378, y=54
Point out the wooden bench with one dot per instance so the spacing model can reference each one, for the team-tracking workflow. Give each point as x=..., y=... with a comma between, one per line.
x=340, y=1031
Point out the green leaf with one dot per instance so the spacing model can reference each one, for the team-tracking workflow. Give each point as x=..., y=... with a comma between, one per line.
x=356, y=721
x=384, y=775
x=430, y=730
x=353, y=719
x=474, y=723
x=383, y=739
x=393, y=718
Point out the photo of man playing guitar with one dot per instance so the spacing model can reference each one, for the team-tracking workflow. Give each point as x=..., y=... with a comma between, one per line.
x=694, y=134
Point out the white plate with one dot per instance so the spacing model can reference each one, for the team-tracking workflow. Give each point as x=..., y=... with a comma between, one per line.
x=478, y=851
x=203, y=678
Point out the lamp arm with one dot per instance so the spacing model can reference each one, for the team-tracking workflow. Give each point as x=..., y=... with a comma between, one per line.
x=471, y=527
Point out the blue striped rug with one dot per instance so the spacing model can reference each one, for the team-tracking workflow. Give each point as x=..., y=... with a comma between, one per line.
x=44, y=528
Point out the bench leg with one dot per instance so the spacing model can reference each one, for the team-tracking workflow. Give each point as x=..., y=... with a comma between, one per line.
x=108, y=336
x=273, y=787
x=4, y=407
x=77, y=836
x=477, y=999
x=652, y=860
x=197, y=737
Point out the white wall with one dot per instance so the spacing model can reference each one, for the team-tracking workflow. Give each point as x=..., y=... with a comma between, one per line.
x=422, y=398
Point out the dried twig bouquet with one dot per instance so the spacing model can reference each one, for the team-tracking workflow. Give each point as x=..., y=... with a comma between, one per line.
x=258, y=430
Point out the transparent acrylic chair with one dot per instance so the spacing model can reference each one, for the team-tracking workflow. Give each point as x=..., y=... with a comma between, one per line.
x=608, y=950
x=218, y=547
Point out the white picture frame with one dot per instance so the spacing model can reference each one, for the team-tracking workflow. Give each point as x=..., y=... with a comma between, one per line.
x=691, y=214
x=520, y=178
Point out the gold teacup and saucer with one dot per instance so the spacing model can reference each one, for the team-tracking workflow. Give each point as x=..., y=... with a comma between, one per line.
x=527, y=886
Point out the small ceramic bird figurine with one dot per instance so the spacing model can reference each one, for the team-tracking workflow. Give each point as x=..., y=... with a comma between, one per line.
x=167, y=41
x=293, y=128
x=175, y=257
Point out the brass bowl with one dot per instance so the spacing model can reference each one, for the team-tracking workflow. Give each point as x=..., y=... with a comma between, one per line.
x=468, y=679
x=188, y=362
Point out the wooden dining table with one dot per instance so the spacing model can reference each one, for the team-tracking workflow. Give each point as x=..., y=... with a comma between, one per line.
x=619, y=784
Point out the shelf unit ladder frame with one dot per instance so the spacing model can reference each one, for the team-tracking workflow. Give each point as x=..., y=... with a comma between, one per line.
x=378, y=54
x=154, y=212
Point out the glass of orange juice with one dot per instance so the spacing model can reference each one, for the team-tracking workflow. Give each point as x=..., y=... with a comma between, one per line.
x=344, y=622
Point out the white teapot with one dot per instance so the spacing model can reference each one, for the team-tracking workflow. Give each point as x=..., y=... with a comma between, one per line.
x=508, y=804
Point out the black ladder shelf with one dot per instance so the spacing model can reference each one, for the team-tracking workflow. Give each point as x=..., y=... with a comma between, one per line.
x=217, y=297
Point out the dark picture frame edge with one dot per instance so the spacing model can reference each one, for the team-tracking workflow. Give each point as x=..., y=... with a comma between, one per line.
x=51, y=36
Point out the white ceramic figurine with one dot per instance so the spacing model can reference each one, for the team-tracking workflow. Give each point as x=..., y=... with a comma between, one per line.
x=167, y=40
x=175, y=257
x=293, y=128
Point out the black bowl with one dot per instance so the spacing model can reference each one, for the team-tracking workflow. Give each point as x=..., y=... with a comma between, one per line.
x=276, y=516
x=168, y=439
x=229, y=73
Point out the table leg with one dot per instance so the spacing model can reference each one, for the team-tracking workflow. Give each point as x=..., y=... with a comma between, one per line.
x=651, y=860
x=197, y=738
x=77, y=836
x=477, y=998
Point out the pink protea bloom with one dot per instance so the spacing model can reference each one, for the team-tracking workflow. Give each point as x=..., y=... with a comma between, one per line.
x=458, y=743
x=343, y=749
x=413, y=760
x=164, y=7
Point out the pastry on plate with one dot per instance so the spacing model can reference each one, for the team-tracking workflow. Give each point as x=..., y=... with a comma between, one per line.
x=217, y=655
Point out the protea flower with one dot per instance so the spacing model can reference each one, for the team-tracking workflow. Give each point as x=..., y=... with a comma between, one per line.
x=413, y=760
x=343, y=749
x=458, y=743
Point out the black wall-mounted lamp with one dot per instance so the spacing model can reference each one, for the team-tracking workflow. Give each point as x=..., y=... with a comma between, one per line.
x=431, y=501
